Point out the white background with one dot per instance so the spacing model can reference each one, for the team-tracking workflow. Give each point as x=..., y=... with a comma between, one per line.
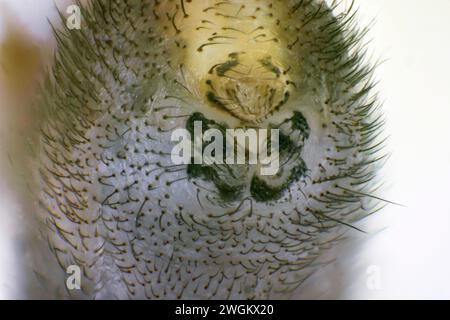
x=409, y=248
